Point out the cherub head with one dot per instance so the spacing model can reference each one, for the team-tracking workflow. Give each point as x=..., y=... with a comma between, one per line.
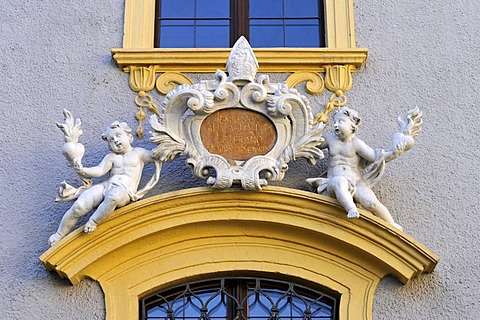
x=119, y=137
x=346, y=122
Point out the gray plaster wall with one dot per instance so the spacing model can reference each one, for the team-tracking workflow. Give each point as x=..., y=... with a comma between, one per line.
x=57, y=55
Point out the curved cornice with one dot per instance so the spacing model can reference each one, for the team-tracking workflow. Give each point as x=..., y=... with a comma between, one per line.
x=195, y=233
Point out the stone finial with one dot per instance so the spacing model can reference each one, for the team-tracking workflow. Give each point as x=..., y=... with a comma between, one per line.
x=242, y=65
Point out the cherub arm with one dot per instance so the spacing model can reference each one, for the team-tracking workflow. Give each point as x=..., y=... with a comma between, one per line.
x=365, y=151
x=147, y=155
x=96, y=172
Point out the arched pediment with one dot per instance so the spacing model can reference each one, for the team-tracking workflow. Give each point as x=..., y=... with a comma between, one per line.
x=195, y=233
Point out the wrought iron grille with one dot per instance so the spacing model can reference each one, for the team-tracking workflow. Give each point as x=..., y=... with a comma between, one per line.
x=239, y=299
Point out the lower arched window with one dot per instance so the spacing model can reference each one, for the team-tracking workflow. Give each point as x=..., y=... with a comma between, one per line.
x=240, y=299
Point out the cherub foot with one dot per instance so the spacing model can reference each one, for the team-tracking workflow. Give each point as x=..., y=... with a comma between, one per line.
x=90, y=226
x=353, y=214
x=54, y=238
x=396, y=225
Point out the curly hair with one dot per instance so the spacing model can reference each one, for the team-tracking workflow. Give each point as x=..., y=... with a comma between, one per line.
x=352, y=115
x=117, y=124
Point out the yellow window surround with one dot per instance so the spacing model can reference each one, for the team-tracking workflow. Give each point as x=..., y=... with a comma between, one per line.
x=142, y=61
x=195, y=234
x=139, y=38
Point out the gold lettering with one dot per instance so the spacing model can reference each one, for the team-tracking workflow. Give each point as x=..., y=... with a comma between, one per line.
x=238, y=134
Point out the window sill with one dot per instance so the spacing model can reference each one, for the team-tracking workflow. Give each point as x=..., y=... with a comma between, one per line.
x=210, y=59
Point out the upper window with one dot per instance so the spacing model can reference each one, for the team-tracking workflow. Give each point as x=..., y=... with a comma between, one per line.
x=239, y=299
x=219, y=23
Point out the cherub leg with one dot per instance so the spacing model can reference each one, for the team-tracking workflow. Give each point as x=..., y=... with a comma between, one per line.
x=115, y=197
x=88, y=200
x=367, y=198
x=341, y=188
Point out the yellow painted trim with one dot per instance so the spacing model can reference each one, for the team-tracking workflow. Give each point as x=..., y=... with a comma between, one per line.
x=139, y=38
x=315, y=83
x=209, y=60
x=339, y=26
x=139, y=24
x=167, y=81
x=140, y=20
x=198, y=233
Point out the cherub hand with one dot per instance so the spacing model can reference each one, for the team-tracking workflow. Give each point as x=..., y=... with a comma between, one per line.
x=78, y=167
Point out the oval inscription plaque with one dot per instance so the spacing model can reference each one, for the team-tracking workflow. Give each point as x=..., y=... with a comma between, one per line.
x=238, y=134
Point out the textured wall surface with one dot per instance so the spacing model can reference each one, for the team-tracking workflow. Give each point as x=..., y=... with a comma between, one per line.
x=422, y=53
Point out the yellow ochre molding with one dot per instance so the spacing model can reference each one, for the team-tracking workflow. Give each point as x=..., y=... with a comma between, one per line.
x=139, y=24
x=191, y=60
x=197, y=233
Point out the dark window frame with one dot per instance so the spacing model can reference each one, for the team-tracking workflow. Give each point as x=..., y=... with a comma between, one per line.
x=240, y=21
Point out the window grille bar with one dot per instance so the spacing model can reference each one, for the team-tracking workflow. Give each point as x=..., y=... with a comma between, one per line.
x=224, y=298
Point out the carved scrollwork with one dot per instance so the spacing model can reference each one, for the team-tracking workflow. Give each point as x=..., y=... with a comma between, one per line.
x=315, y=83
x=281, y=103
x=204, y=167
x=225, y=92
x=195, y=97
x=168, y=80
x=258, y=171
x=235, y=131
x=306, y=147
x=253, y=95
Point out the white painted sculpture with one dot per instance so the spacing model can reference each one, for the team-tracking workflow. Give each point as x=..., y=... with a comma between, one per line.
x=237, y=129
x=354, y=167
x=124, y=164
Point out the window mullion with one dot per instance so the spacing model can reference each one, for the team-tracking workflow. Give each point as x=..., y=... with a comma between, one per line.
x=239, y=24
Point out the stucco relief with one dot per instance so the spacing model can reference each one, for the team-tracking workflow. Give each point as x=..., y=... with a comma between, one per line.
x=236, y=129
x=354, y=167
x=272, y=125
x=124, y=165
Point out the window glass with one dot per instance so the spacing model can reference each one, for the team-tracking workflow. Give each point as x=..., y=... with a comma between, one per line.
x=285, y=23
x=178, y=9
x=193, y=24
x=265, y=23
x=266, y=8
x=212, y=36
x=213, y=9
x=240, y=299
x=172, y=30
x=301, y=8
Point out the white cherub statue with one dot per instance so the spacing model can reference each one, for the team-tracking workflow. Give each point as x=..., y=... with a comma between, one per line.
x=353, y=166
x=124, y=164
